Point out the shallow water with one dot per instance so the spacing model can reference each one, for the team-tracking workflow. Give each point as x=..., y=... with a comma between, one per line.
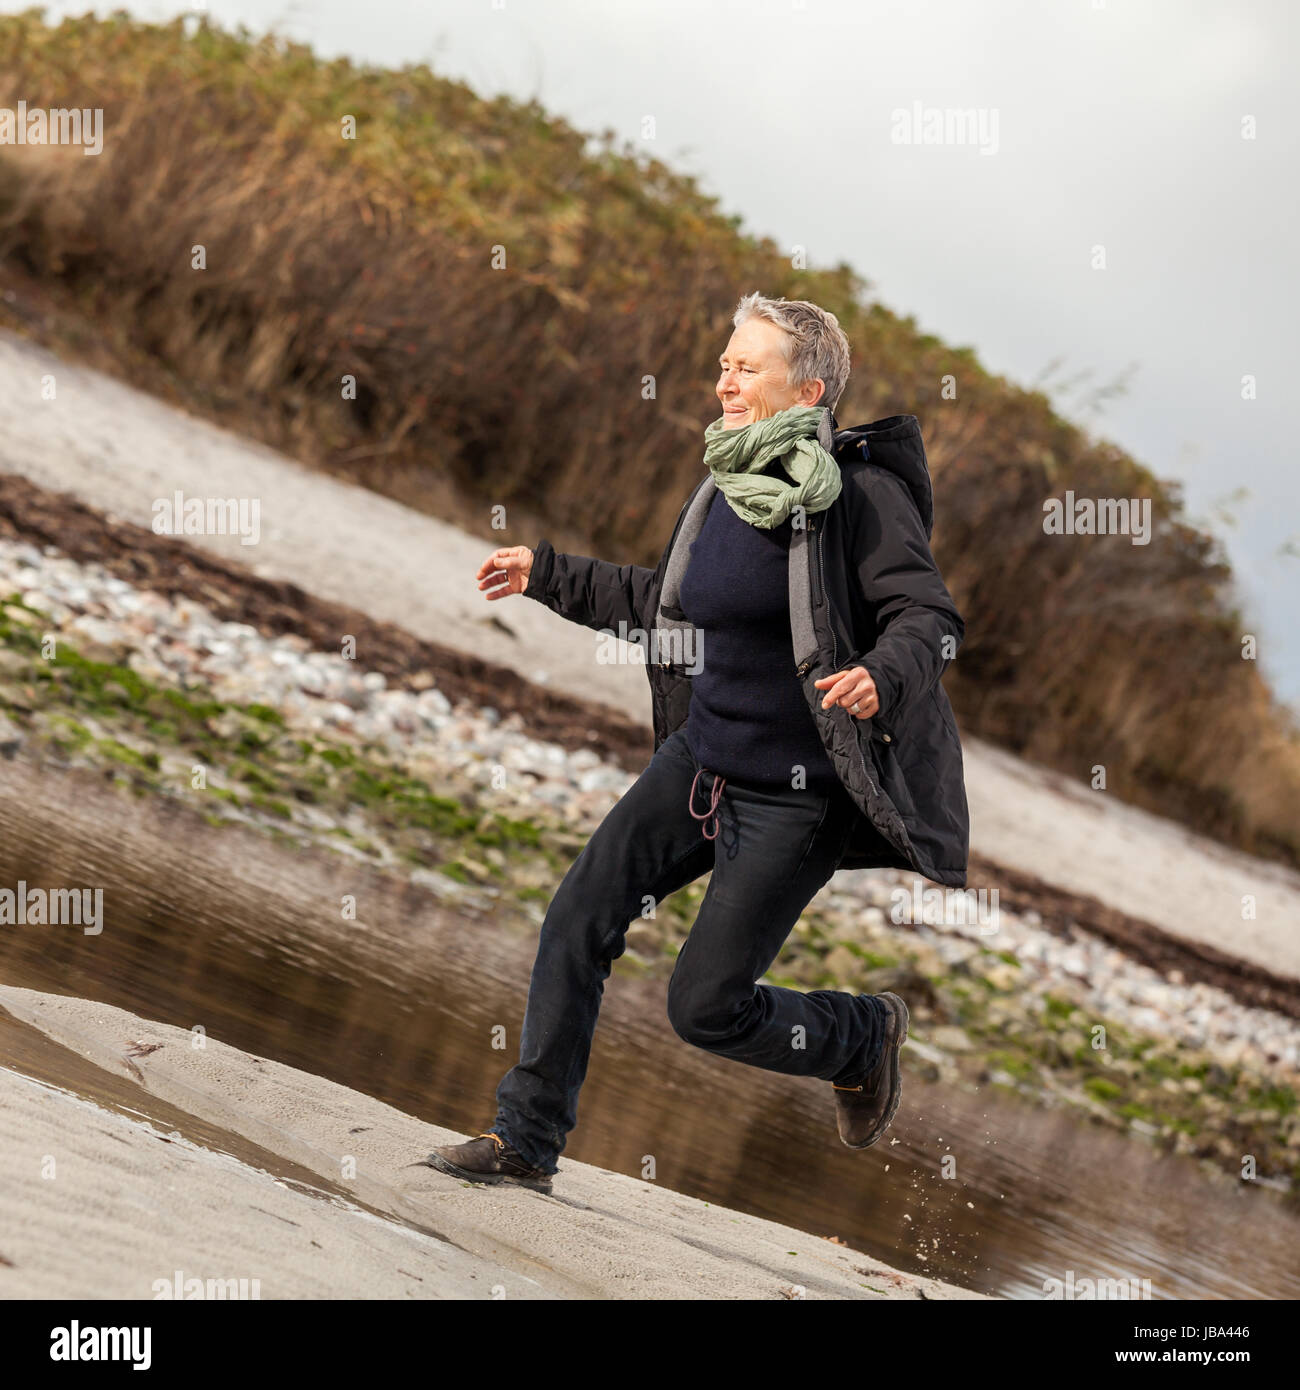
x=225, y=929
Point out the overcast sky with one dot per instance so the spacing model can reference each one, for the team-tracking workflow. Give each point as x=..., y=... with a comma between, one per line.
x=1112, y=123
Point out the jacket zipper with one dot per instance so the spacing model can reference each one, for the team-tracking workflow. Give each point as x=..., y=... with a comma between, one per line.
x=819, y=574
x=663, y=562
x=816, y=572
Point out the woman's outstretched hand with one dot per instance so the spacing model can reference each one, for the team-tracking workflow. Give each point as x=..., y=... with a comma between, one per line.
x=854, y=689
x=506, y=572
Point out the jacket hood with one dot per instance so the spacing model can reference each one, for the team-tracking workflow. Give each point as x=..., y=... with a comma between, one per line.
x=893, y=443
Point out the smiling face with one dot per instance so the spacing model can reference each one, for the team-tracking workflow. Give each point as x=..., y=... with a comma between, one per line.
x=754, y=382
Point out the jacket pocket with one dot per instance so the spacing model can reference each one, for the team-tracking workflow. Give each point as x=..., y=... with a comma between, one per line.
x=880, y=747
x=670, y=698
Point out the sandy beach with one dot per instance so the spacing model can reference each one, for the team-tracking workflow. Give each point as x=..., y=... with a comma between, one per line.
x=102, y=1204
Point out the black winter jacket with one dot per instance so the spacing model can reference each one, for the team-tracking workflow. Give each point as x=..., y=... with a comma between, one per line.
x=864, y=591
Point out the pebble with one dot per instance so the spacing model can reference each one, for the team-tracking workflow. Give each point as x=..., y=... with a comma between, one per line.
x=177, y=642
x=11, y=737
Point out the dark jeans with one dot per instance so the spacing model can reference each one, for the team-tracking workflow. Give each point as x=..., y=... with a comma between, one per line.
x=774, y=850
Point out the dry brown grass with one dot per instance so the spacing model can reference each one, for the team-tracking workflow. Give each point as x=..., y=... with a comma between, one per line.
x=523, y=386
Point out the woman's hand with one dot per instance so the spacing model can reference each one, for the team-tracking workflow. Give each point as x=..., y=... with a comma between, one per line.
x=506, y=572
x=854, y=689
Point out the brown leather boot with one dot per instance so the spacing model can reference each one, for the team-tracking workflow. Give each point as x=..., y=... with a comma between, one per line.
x=863, y=1111
x=489, y=1159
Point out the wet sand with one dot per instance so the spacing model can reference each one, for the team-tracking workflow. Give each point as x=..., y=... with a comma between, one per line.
x=125, y=1209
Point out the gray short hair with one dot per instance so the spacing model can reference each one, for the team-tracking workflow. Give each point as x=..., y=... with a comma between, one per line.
x=816, y=345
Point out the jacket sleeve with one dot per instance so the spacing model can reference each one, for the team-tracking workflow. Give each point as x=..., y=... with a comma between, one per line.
x=595, y=593
x=914, y=613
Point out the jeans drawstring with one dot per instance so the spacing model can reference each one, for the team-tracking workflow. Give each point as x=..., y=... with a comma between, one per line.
x=711, y=814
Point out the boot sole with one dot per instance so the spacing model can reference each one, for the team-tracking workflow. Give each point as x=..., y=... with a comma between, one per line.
x=445, y=1165
x=899, y=1009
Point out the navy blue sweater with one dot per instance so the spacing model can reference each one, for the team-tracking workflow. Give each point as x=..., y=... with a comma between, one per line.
x=748, y=719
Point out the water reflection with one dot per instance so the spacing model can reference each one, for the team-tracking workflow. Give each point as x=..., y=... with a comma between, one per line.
x=222, y=928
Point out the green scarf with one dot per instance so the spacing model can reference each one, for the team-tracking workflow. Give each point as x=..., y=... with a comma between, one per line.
x=736, y=459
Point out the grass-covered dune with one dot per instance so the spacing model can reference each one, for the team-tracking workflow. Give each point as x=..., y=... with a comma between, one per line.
x=501, y=286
